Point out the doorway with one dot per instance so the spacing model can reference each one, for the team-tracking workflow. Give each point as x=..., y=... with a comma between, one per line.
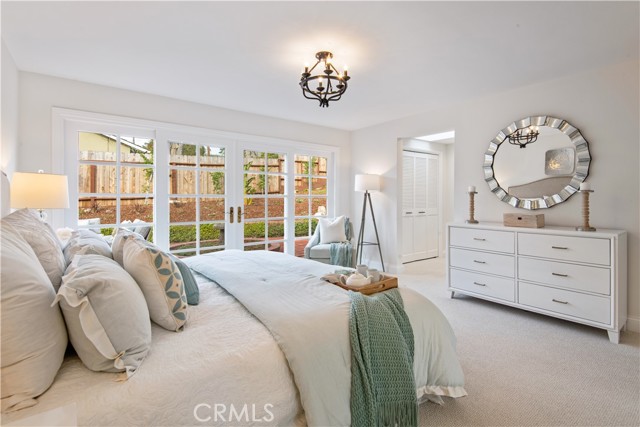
x=425, y=205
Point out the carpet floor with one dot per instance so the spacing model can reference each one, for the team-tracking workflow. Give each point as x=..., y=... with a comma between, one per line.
x=526, y=369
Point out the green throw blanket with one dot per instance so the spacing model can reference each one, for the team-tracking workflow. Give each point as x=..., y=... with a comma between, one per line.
x=341, y=254
x=383, y=391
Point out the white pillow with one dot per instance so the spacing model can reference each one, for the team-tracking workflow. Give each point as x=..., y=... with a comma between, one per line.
x=332, y=231
x=33, y=335
x=106, y=314
x=117, y=247
x=41, y=237
x=160, y=280
x=86, y=242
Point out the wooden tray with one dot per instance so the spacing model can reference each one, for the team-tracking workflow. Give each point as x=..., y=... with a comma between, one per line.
x=386, y=282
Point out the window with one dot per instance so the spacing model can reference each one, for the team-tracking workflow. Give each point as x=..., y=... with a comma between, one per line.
x=197, y=194
x=115, y=180
x=311, y=199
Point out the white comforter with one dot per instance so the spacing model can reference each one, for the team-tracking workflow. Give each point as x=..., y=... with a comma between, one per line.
x=309, y=318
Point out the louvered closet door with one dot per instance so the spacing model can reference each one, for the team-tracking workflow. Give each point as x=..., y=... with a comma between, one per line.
x=407, y=207
x=420, y=175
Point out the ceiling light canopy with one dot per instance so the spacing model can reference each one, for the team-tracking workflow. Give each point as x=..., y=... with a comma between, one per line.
x=328, y=84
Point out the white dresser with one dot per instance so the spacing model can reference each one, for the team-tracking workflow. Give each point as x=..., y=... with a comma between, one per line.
x=557, y=271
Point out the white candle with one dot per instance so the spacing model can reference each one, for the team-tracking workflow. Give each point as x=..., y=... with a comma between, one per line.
x=585, y=186
x=472, y=189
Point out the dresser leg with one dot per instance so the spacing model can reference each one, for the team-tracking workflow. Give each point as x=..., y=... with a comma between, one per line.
x=452, y=294
x=614, y=336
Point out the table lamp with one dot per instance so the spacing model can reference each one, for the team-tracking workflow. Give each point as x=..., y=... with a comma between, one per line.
x=39, y=191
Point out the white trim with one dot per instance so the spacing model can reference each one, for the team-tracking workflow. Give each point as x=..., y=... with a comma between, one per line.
x=65, y=122
x=633, y=324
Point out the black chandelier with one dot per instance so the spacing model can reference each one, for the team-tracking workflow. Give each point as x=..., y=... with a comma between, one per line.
x=523, y=136
x=335, y=85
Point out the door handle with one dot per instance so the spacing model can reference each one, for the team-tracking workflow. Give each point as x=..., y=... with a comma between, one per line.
x=231, y=215
x=239, y=214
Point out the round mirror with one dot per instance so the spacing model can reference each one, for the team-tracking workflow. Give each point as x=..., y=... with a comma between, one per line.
x=536, y=162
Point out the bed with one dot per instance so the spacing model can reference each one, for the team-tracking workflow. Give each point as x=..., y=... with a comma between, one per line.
x=225, y=367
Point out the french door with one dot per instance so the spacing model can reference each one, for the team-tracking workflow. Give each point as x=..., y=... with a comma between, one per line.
x=228, y=194
x=197, y=190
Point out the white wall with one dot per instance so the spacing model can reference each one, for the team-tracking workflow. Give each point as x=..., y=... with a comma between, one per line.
x=9, y=89
x=602, y=103
x=39, y=93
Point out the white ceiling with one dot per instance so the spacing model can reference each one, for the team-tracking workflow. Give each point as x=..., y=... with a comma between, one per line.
x=404, y=57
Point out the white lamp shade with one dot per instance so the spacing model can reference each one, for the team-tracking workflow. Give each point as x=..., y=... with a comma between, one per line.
x=367, y=182
x=39, y=191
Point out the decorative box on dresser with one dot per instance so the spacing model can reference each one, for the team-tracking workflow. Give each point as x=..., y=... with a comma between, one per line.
x=557, y=271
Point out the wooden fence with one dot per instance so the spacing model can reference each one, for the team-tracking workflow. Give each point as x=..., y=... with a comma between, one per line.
x=135, y=179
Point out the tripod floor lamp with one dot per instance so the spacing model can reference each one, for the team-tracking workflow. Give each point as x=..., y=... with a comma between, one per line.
x=367, y=183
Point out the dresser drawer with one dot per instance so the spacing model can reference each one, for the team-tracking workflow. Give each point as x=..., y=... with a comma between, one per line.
x=484, y=262
x=581, y=277
x=492, y=286
x=565, y=248
x=490, y=240
x=588, y=307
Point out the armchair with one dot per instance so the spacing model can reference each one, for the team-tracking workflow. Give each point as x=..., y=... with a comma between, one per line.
x=337, y=253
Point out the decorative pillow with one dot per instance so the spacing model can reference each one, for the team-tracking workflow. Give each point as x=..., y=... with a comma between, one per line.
x=86, y=242
x=160, y=281
x=117, y=247
x=332, y=231
x=142, y=230
x=191, y=288
x=33, y=334
x=43, y=241
x=106, y=315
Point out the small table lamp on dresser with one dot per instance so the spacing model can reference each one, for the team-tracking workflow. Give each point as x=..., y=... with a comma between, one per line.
x=39, y=191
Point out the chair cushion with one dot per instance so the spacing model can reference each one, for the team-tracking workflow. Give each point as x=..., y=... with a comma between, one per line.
x=321, y=251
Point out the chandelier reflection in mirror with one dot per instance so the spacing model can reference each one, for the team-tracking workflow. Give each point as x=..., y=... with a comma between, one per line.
x=524, y=136
x=328, y=84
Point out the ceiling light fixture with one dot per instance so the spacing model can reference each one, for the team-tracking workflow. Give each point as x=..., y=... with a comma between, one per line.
x=314, y=86
x=523, y=136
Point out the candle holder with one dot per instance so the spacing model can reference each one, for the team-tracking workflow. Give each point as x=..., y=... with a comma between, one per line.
x=585, y=212
x=472, y=208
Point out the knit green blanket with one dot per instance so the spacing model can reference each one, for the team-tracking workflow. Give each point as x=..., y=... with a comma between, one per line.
x=341, y=254
x=383, y=391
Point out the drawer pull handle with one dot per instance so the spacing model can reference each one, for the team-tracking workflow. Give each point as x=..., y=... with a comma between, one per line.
x=560, y=275
x=479, y=284
x=479, y=262
x=479, y=239
x=559, y=247
x=421, y=212
x=560, y=302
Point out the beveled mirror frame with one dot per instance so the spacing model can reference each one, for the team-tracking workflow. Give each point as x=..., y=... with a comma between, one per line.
x=583, y=160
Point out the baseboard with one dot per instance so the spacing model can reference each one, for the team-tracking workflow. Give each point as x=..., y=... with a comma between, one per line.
x=633, y=324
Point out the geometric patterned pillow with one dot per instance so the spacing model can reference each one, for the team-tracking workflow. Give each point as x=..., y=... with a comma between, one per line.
x=160, y=281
